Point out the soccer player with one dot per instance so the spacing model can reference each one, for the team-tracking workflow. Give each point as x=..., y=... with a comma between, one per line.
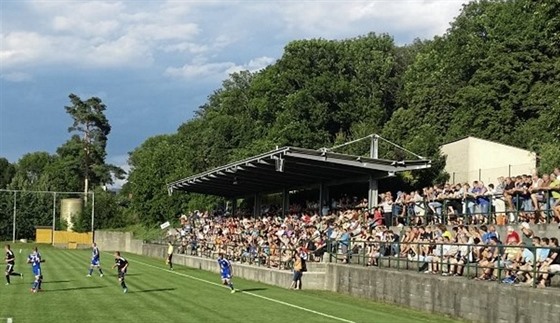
x=225, y=271
x=95, y=262
x=122, y=266
x=10, y=263
x=169, y=259
x=35, y=260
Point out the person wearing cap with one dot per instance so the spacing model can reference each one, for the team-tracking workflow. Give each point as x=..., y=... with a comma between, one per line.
x=527, y=234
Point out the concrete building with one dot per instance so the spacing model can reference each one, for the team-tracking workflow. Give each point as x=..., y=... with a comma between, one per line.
x=470, y=159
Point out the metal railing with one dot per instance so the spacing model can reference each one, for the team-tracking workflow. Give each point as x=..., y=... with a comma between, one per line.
x=483, y=262
x=471, y=210
x=278, y=256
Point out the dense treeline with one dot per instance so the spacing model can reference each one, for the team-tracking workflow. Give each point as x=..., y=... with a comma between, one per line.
x=494, y=74
x=77, y=166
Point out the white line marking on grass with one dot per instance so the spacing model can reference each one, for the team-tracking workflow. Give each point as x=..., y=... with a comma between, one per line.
x=9, y=320
x=252, y=294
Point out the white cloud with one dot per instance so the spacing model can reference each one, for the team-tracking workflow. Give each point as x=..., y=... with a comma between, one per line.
x=334, y=19
x=22, y=47
x=95, y=34
x=124, y=51
x=85, y=28
x=204, y=70
x=131, y=34
x=185, y=47
x=164, y=32
x=200, y=69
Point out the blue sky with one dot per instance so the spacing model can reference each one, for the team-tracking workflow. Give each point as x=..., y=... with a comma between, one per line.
x=153, y=63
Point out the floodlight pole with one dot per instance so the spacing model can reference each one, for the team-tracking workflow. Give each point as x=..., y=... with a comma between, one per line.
x=92, y=216
x=14, y=219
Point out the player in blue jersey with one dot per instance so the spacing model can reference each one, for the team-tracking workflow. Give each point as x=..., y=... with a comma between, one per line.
x=10, y=263
x=122, y=266
x=225, y=271
x=35, y=260
x=95, y=261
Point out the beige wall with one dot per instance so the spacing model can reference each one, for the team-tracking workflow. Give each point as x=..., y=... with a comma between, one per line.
x=473, y=159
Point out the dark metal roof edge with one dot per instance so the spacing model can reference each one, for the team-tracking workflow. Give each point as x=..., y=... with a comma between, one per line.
x=359, y=158
x=287, y=150
x=234, y=164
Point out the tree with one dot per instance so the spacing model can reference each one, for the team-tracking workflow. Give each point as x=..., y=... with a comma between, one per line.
x=7, y=172
x=32, y=208
x=90, y=122
x=154, y=164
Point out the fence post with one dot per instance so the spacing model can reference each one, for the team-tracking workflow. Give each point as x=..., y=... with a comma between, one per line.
x=92, y=216
x=509, y=170
x=479, y=174
x=534, y=284
x=53, y=218
x=14, y=219
x=548, y=206
x=468, y=262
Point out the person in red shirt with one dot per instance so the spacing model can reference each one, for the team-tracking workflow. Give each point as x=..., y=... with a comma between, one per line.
x=377, y=217
x=512, y=234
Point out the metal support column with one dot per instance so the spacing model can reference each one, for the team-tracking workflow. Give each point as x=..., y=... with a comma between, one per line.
x=321, y=198
x=285, y=202
x=373, y=193
x=374, y=147
x=324, y=197
x=233, y=206
x=257, y=205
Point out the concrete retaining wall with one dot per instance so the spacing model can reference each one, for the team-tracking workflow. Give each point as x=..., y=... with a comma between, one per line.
x=455, y=296
x=281, y=278
x=154, y=250
x=121, y=241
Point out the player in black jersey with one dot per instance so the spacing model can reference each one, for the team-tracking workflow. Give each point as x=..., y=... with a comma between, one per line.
x=10, y=263
x=122, y=266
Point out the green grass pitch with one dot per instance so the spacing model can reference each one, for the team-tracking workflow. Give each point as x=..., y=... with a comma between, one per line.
x=183, y=295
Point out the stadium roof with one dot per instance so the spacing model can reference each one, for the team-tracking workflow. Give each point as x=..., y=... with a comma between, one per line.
x=288, y=168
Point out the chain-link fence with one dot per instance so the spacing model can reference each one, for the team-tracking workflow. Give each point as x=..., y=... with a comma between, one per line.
x=21, y=212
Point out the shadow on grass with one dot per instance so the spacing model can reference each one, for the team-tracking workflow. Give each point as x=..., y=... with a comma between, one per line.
x=71, y=289
x=153, y=290
x=251, y=289
x=48, y=282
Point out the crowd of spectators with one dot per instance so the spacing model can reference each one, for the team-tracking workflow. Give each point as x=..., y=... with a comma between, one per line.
x=523, y=198
x=414, y=226
x=518, y=258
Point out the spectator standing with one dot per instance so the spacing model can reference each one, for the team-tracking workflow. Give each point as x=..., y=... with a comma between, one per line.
x=169, y=260
x=345, y=243
x=387, y=206
x=298, y=273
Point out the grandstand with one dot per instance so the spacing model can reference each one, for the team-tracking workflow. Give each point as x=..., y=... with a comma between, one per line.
x=504, y=233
